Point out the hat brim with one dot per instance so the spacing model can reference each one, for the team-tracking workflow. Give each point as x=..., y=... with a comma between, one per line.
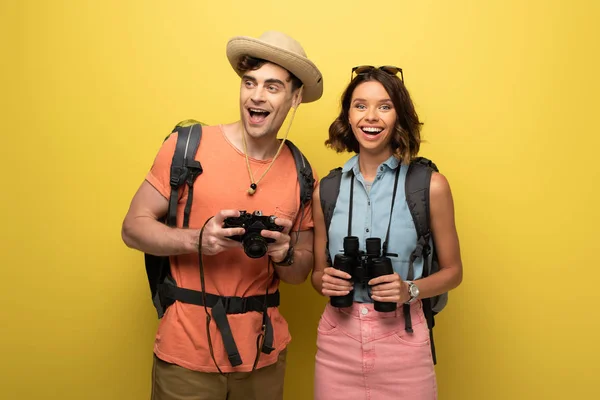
x=301, y=67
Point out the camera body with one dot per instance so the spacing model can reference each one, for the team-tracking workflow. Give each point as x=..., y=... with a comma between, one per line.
x=362, y=266
x=255, y=246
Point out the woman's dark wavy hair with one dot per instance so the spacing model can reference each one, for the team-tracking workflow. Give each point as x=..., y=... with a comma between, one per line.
x=406, y=138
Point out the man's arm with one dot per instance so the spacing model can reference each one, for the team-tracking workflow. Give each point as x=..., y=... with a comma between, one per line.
x=303, y=259
x=143, y=231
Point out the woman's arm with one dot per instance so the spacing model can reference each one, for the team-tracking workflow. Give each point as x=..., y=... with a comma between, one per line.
x=391, y=288
x=326, y=280
x=446, y=241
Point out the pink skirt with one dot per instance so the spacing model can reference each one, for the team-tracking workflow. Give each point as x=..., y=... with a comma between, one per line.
x=368, y=355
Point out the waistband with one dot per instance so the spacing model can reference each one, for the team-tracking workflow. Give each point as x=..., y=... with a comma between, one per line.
x=367, y=311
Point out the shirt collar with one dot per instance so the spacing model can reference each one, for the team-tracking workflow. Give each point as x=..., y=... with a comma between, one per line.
x=352, y=164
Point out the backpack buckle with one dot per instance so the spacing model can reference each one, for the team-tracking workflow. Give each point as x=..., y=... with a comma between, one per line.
x=418, y=252
x=178, y=176
x=194, y=169
x=235, y=305
x=309, y=182
x=425, y=244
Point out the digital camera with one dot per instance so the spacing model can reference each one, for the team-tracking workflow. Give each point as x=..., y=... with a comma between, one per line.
x=255, y=246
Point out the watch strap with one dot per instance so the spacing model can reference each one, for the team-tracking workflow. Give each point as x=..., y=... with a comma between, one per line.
x=288, y=259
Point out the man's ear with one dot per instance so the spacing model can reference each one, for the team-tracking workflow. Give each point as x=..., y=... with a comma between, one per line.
x=297, y=97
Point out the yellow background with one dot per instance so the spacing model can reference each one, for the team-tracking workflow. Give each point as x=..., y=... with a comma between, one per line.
x=508, y=91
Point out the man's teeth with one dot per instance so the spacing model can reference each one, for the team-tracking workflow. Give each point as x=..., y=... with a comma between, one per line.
x=372, y=130
x=255, y=110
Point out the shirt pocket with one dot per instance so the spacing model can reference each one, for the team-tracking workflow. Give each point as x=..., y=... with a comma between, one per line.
x=285, y=213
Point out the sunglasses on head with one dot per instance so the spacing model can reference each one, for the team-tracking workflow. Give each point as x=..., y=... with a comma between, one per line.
x=389, y=69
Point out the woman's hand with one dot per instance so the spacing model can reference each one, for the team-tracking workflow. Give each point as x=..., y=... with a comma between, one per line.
x=335, y=282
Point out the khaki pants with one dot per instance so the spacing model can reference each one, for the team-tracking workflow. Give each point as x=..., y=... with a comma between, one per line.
x=172, y=382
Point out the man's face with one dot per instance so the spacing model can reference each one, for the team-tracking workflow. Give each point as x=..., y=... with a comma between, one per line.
x=265, y=99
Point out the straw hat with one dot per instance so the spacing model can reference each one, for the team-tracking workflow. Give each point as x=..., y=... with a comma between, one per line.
x=284, y=51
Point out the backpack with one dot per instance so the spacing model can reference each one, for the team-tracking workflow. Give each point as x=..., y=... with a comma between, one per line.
x=163, y=288
x=417, y=185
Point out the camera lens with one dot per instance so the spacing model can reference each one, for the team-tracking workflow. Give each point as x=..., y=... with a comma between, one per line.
x=255, y=246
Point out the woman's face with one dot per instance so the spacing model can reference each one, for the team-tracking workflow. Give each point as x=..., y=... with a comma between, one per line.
x=372, y=117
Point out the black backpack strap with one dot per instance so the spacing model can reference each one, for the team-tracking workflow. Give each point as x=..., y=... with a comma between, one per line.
x=184, y=170
x=231, y=304
x=329, y=190
x=418, y=181
x=306, y=180
x=305, y=174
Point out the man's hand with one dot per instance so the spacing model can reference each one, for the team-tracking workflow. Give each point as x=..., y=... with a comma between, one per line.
x=278, y=250
x=214, y=237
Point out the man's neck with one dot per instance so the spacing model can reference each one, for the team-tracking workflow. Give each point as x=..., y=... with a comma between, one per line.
x=263, y=148
x=369, y=163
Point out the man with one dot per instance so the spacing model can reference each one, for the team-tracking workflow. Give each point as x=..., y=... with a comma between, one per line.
x=197, y=354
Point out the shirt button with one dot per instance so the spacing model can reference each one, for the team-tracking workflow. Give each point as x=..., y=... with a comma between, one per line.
x=381, y=168
x=367, y=229
x=364, y=311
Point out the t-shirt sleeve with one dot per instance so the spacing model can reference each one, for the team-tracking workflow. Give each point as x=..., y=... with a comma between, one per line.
x=159, y=175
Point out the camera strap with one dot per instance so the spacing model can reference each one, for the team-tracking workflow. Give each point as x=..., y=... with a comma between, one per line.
x=405, y=307
x=221, y=306
x=387, y=235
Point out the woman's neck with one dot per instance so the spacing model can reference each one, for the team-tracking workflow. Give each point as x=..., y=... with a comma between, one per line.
x=368, y=163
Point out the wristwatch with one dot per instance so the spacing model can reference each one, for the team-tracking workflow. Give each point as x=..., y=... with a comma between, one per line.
x=413, y=291
x=288, y=260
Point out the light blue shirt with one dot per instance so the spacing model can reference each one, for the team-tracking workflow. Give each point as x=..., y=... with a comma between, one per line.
x=370, y=217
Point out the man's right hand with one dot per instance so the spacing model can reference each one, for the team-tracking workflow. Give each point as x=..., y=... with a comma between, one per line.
x=214, y=237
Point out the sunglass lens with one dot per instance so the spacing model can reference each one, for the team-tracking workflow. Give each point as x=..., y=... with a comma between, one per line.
x=362, y=69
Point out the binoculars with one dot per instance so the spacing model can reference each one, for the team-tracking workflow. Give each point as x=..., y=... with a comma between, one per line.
x=362, y=267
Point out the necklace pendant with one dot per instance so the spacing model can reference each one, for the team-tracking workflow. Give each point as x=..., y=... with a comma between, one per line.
x=252, y=189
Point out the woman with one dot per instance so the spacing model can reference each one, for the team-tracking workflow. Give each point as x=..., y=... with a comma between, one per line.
x=374, y=342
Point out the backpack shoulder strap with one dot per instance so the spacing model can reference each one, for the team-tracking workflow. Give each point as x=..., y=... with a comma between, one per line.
x=418, y=180
x=305, y=174
x=329, y=190
x=184, y=169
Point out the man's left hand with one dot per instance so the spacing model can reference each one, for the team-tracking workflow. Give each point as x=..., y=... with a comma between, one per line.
x=278, y=250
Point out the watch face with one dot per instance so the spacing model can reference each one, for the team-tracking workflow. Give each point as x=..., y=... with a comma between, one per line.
x=414, y=291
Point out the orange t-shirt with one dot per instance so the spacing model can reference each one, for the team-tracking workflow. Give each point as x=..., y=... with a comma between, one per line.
x=181, y=337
